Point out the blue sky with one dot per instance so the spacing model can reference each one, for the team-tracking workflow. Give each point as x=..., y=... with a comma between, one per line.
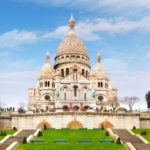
x=118, y=29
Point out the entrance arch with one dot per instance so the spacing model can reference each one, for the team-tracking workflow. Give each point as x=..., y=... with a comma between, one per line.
x=41, y=125
x=65, y=108
x=86, y=107
x=76, y=108
x=75, y=125
x=106, y=124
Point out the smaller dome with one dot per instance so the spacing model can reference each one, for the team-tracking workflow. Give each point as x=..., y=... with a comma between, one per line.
x=99, y=71
x=47, y=70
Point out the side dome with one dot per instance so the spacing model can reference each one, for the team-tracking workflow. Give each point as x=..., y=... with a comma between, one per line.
x=99, y=71
x=47, y=70
x=72, y=43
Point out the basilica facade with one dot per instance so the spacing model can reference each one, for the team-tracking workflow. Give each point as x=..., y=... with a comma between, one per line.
x=71, y=84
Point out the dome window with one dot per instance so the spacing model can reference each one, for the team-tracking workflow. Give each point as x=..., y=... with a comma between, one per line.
x=100, y=98
x=47, y=97
x=67, y=71
x=67, y=56
x=83, y=72
x=78, y=56
x=82, y=57
x=62, y=72
x=62, y=57
x=72, y=56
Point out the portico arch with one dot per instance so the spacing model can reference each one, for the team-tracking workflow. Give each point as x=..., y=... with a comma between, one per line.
x=76, y=108
x=75, y=125
x=41, y=125
x=106, y=124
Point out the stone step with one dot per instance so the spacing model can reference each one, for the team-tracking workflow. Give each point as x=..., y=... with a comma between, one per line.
x=126, y=136
x=19, y=138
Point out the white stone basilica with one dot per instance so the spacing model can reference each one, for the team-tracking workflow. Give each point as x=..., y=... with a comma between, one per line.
x=69, y=84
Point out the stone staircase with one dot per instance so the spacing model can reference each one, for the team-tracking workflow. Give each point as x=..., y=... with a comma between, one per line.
x=18, y=138
x=126, y=136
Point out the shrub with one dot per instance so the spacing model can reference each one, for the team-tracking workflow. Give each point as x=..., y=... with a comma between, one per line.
x=4, y=134
x=45, y=127
x=24, y=140
x=40, y=133
x=134, y=127
x=106, y=134
x=118, y=141
x=143, y=133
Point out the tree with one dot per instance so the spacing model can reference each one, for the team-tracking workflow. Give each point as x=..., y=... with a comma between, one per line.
x=147, y=96
x=130, y=101
x=114, y=102
x=21, y=108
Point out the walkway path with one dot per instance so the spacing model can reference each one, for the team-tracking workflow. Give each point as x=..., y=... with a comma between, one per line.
x=18, y=138
x=126, y=136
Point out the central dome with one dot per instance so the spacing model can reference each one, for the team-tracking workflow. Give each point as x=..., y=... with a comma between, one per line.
x=72, y=43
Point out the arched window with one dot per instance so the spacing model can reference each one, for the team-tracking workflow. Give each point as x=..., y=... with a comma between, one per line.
x=85, y=96
x=86, y=73
x=65, y=96
x=75, y=91
x=83, y=72
x=62, y=72
x=53, y=84
x=67, y=71
x=48, y=84
x=45, y=83
x=101, y=84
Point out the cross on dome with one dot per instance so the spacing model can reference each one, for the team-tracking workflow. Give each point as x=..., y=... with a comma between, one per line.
x=98, y=58
x=71, y=25
x=47, y=57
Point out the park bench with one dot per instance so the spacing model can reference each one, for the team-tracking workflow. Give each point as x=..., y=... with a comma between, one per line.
x=60, y=140
x=97, y=128
x=37, y=140
x=65, y=128
x=84, y=141
x=50, y=128
x=106, y=141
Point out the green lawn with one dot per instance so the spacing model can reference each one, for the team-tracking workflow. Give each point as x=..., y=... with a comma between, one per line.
x=138, y=131
x=8, y=132
x=72, y=136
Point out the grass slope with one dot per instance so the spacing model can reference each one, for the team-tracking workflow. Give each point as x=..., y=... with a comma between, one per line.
x=8, y=132
x=138, y=131
x=73, y=136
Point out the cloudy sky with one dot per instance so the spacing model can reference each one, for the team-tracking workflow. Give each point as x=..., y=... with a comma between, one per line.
x=118, y=29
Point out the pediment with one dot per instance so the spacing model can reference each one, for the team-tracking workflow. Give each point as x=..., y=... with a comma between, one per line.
x=72, y=78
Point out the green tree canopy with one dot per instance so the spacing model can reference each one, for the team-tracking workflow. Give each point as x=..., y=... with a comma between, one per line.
x=147, y=96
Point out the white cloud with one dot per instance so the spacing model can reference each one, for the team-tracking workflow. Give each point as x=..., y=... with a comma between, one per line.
x=15, y=38
x=88, y=30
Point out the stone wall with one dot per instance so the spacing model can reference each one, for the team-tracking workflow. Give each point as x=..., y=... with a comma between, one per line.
x=145, y=121
x=5, y=122
x=88, y=120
